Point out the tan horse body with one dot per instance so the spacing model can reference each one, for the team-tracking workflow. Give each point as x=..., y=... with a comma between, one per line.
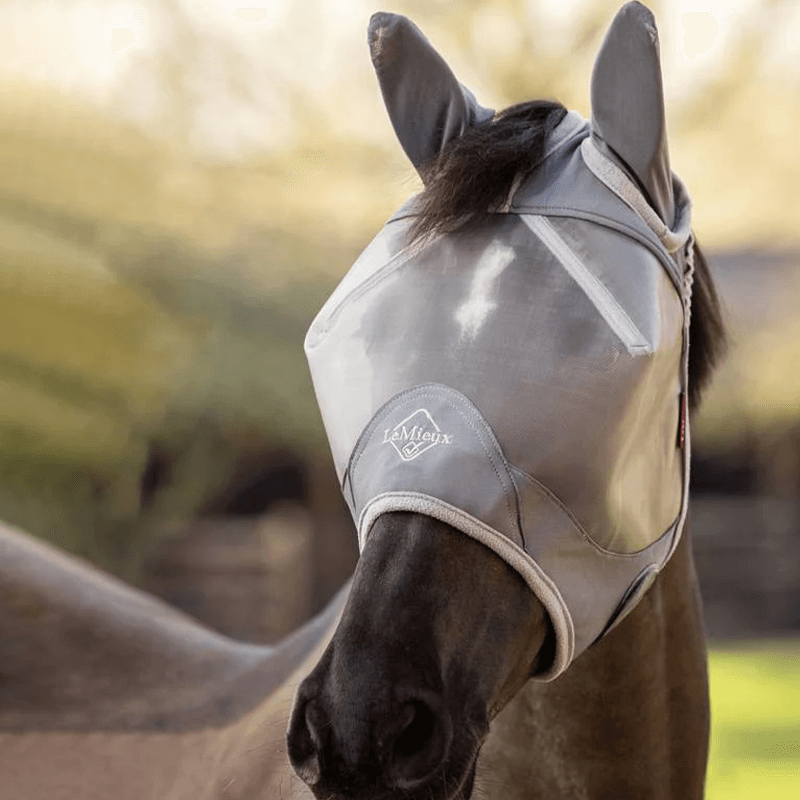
x=108, y=693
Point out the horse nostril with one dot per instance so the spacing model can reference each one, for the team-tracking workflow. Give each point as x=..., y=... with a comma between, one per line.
x=422, y=734
x=418, y=727
x=304, y=740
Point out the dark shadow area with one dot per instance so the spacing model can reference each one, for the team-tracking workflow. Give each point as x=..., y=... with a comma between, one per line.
x=251, y=495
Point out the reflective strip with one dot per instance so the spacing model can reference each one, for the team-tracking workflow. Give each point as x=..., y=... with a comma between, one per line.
x=605, y=302
x=353, y=285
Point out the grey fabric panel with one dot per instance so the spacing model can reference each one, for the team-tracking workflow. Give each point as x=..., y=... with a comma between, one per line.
x=634, y=287
x=592, y=581
x=498, y=318
x=613, y=312
x=346, y=363
x=628, y=104
x=675, y=239
x=563, y=187
x=431, y=439
x=453, y=456
x=427, y=105
x=643, y=481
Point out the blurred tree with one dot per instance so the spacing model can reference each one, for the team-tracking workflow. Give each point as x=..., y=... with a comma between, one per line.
x=196, y=244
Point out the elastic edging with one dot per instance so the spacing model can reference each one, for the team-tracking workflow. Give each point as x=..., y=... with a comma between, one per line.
x=533, y=575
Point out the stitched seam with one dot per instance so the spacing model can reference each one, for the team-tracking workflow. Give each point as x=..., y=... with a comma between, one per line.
x=655, y=246
x=601, y=219
x=604, y=292
x=618, y=182
x=424, y=394
x=579, y=528
x=540, y=577
x=396, y=262
x=550, y=150
x=568, y=137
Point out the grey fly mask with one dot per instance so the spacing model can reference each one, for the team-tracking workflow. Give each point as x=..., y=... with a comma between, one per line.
x=525, y=382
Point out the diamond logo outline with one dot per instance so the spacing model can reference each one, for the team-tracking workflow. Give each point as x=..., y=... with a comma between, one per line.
x=411, y=439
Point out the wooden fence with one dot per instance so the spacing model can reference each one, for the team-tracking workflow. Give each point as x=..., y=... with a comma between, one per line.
x=748, y=559
x=247, y=577
x=254, y=578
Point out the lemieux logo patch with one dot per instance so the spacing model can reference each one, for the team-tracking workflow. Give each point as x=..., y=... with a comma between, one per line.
x=415, y=434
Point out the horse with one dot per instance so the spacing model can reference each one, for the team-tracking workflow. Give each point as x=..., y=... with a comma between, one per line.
x=475, y=374
x=107, y=692
x=448, y=668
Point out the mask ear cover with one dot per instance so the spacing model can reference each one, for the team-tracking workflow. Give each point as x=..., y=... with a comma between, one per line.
x=427, y=105
x=628, y=120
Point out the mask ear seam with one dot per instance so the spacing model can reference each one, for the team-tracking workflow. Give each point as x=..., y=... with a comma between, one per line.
x=618, y=181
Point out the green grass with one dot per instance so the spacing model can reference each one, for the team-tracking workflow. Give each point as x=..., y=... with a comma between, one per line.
x=755, y=734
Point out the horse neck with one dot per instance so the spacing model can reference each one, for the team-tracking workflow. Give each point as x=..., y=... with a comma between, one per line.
x=633, y=709
x=86, y=652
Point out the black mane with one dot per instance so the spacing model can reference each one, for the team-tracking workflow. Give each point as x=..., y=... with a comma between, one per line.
x=475, y=172
x=707, y=333
x=472, y=179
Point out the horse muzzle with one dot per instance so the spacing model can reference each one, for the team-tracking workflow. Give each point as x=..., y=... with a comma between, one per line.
x=355, y=747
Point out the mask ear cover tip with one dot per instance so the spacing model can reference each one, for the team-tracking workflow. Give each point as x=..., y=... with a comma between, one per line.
x=627, y=97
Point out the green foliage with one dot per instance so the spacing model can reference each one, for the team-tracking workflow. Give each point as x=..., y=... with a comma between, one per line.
x=142, y=316
x=106, y=357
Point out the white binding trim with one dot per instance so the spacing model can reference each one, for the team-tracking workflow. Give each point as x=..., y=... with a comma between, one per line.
x=622, y=186
x=602, y=299
x=533, y=575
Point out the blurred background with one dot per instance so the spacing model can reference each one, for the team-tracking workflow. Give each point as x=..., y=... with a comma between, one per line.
x=182, y=183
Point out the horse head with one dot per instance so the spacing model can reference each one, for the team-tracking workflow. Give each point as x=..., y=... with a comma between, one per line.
x=404, y=694
x=507, y=360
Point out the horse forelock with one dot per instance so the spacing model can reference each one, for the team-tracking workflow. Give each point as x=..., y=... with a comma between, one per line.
x=475, y=173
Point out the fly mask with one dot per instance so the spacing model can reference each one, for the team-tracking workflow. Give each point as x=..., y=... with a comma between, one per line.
x=525, y=381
